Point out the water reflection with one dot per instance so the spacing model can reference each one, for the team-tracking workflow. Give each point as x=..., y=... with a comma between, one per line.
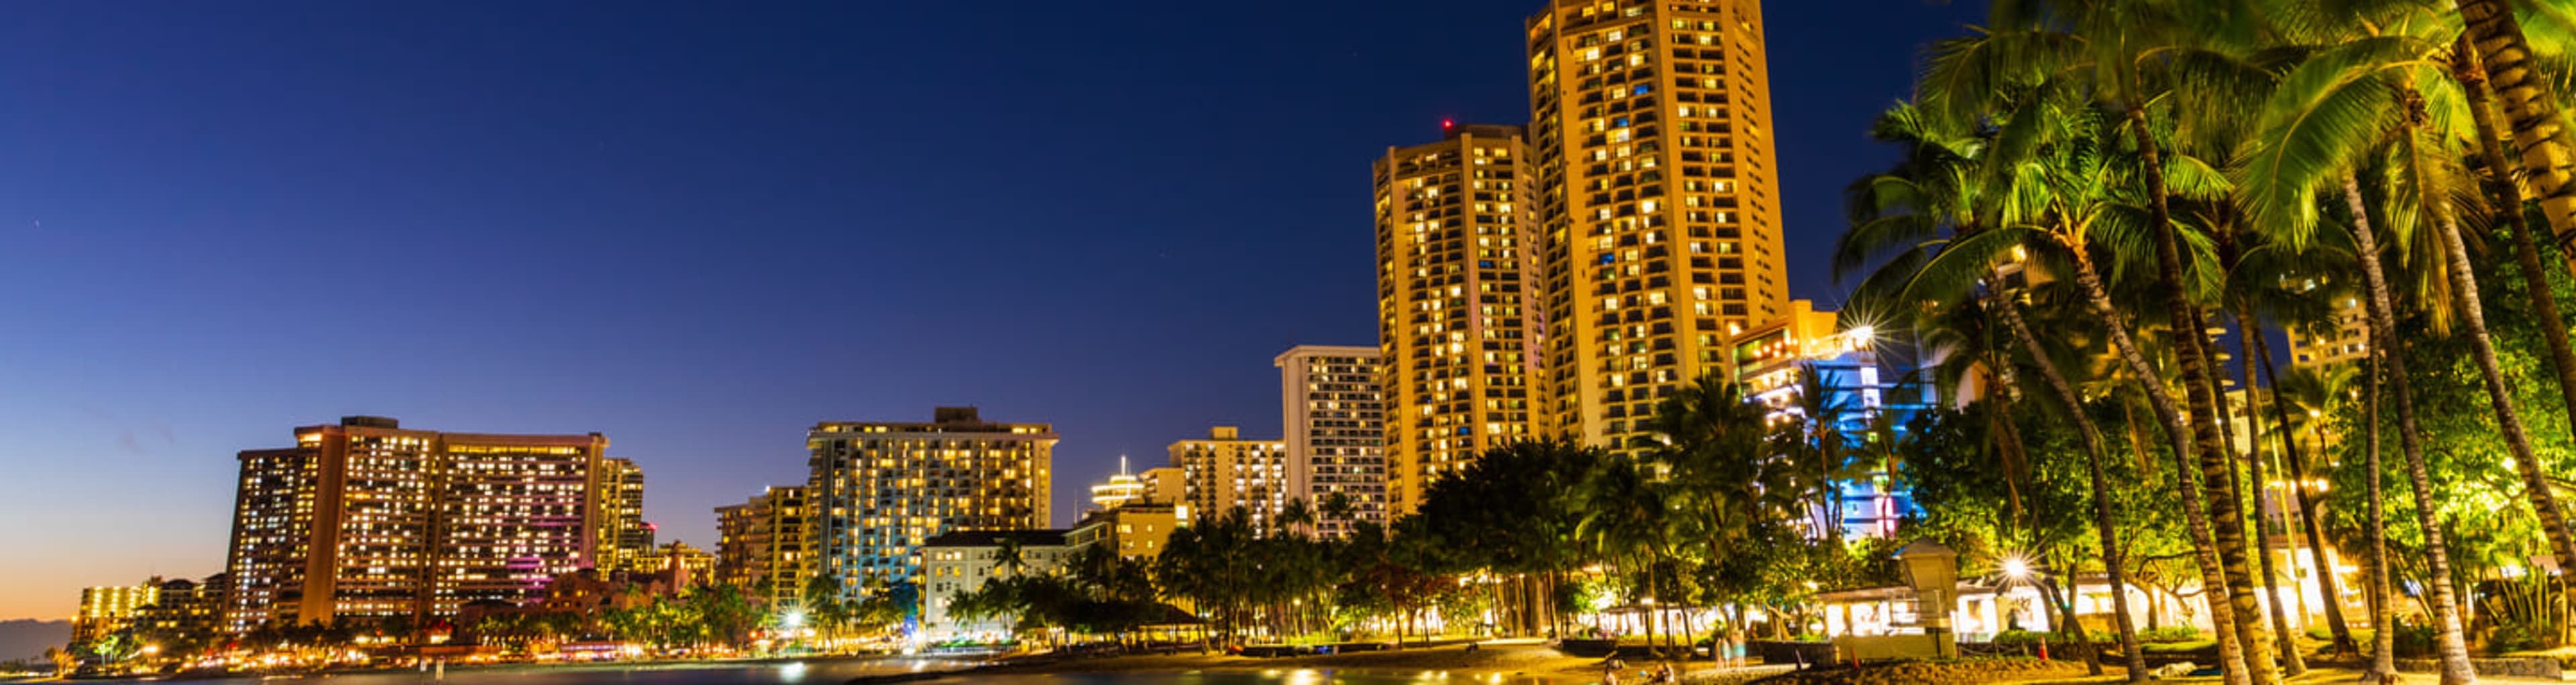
x=835, y=672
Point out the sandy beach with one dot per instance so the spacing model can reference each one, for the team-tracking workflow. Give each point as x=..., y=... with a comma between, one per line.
x=1521, y=660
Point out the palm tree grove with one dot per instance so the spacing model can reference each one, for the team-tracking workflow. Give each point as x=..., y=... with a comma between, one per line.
x=2103, y=218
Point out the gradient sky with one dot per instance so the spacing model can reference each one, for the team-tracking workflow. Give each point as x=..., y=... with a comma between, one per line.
x=700, y=227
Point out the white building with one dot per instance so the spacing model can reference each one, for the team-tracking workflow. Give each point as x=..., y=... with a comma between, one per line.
x=963, y=561
x=1333, y=410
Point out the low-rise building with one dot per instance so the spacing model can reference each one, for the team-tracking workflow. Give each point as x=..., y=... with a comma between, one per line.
x=186, y=616
x=1138, y=531
x=109, y=610
x=1769, y=360
x=962, y=561
x=694, y=566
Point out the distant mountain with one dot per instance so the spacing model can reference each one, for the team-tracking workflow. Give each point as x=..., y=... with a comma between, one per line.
x=28, y=638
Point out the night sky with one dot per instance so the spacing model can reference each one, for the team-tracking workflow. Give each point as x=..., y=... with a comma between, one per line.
x=700, y=227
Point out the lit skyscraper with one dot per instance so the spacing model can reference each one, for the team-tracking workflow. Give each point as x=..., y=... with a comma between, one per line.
x=879, y=489
x=623, y=534
x=1458, y=302
x=1334, y=413
x=364, y=519
x=1651, y=122
x=1226, y=471
x=760, y=546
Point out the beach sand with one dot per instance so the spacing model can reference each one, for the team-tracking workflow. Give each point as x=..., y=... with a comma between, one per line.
x=1522, y=661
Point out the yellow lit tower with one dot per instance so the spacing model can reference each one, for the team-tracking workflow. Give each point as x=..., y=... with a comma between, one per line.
x=1458, y=317
x=1651, y=122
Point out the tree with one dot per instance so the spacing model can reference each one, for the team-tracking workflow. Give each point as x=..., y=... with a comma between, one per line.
x=2524, y=93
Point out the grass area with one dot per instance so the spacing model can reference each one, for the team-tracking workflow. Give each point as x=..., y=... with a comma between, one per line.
x=2177, y=647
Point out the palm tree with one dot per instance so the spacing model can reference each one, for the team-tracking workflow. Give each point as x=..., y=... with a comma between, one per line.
x=1818, y=451
x=2523, y=91
x=1628, y=520
x=1007, y=556
x=824, y=606
x=1936, y=187
x=1296, y=517
x=2110, y=48
x=2383, y=660
x=2340, y=89
x=2509, y=202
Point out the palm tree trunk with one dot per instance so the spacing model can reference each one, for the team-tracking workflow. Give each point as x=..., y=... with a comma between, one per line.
x=2298, y=500
x=2135, y=661
x=2282, y=632
x=2222, y=616
x=2227, y=521
x=2137, y=439
x=2544, y=302
x=2548, y=154
x=2383, y=648
x=2553, y=520
x=2383, y=324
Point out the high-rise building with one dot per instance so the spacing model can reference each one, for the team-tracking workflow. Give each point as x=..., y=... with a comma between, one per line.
x=880, y=489
x=1657, y=189
x=364, y=519
x=107, y=610
x=1226, y=471
x=1458, y=287
x=761, y=546
x=1334, y=413
x=623, y=534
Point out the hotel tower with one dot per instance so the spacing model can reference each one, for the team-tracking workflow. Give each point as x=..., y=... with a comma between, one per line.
x=880, y=489
x=367, y=520
x=1656, y=192
x=1458, y=308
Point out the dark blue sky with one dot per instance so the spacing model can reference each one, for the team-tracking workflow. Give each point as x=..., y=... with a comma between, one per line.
x=701, y=227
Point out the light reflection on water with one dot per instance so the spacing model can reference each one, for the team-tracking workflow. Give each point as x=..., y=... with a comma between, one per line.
x=836, y=672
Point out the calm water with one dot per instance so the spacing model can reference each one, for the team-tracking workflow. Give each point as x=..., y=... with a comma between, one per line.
x=838, y=672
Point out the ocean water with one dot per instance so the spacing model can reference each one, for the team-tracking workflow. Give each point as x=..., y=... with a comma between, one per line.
x=837, y=672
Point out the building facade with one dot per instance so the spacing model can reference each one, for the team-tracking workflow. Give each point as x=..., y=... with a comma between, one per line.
x=1333, y=411
x=1808, y=351
x=367, y=520
x=623, y=534
x=680, y=564
x=1169, y=485
x=1459, y=308
x=962, y=561
x=2347, y=340
x=881, y=489
x=761, y=546
x=1226, y=471
x=1658, y=197
x=1136, y=531
x=184, y=614
x=112, y=609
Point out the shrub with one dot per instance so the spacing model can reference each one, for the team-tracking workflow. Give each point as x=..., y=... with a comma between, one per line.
x=2169, y=634
x=2414, y=640
x=2516, y=636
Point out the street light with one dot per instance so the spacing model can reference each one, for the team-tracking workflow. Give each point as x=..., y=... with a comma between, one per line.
x=2016, y=568
x=1933, y=569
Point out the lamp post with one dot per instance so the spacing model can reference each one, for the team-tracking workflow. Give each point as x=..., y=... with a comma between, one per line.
x=1933, y=570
